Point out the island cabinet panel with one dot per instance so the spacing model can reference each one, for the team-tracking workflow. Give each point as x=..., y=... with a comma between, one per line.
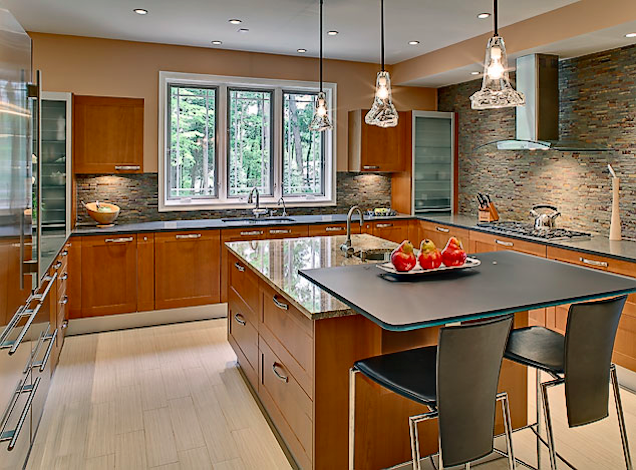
x=289, y=406
x=235, y=235
x=187, y=268
x=244, y=282
x=74, y=281
x=440, y=234
x=108, y=134
x=109, y=275
x=329, y=230
x=393, y=230
x=145, y=272
x=243, y=327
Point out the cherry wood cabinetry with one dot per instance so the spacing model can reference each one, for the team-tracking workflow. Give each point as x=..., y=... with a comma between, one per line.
x=108, y=134
x=187, y=268
x=329, y=230
x=108, y=275
x=440, y=234
x=377, y=149
x=395, y=230
x=145, y=272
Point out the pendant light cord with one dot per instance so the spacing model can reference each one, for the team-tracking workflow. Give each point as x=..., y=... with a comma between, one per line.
x=495, y=16
x=382, y=30
x=321, y=1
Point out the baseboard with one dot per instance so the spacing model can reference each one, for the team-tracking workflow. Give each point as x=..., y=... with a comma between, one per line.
x=82, y=326
x=626, y=378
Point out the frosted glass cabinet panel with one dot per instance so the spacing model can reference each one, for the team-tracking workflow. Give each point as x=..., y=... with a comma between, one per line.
x=433, y=162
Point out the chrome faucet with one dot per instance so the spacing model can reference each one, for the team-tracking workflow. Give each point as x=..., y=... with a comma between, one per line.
x=257, y=211
x=346, y=246
x=281, y=200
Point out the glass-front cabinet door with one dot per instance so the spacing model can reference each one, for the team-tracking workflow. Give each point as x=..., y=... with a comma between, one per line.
x=433, y=162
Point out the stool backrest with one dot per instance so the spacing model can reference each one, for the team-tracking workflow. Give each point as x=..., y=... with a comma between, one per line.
x=589, y=341
x=468, y=365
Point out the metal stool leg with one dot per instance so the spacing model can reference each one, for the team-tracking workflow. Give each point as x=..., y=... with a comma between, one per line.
x=538, y=413
x=548, y=424
x=415, y=439
x=621, y=418
x=352, y=416
x=505, y=408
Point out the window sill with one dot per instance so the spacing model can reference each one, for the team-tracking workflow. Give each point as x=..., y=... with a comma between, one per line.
x=208, y=206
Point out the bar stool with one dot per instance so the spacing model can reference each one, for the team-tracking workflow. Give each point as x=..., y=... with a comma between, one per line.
x=456, y=380
x=581, y=360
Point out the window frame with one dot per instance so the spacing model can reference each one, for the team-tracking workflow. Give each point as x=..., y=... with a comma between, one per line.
x=222, y=201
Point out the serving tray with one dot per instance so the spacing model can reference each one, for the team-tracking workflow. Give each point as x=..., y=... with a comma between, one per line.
x=418, y=271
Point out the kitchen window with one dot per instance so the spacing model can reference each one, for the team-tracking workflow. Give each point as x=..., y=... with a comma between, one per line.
x=219, y=137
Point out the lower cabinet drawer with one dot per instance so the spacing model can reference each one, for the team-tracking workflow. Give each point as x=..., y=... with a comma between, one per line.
x=288, y=405
x=242, y=328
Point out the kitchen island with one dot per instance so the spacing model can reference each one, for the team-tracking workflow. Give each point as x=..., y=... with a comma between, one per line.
x=295, y=344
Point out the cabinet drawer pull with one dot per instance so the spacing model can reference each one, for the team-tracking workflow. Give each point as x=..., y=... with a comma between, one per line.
x=384, y=225
x=442, y=229
x=591, y=262
x=279, y=231
x=127, y=167
x=42, y=364
x=239, y=267
x=188, y=236
x=64, y=253
x=57, y=265
x=334, y=229
x=252, y=233
x=64, y=324
x=371, y=167
x=503, y=243
x=240, y=319
x=284, y=378
x=64, y=300
x=279, y=304
x=64, y=277
x=119, y=240
x=12, y=436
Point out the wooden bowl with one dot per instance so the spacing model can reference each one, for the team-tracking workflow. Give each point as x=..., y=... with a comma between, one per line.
x=103, y=219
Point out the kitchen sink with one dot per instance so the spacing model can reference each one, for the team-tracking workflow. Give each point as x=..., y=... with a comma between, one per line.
x=257, y=220
x=378, y=254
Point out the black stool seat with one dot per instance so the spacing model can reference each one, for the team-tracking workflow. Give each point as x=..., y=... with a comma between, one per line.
x=411, y=373
x=537, y=347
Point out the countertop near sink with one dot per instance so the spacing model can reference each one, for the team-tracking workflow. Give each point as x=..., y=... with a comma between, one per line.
x=202, y=224
x=278, y=263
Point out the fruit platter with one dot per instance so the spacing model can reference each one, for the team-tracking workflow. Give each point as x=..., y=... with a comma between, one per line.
x=405, y=261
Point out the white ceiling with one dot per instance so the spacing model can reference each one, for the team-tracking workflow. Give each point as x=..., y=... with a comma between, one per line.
x=279, y=26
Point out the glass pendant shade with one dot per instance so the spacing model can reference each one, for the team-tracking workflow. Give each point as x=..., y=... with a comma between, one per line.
x=496, y=89
x=320, y=122
x=382, y=113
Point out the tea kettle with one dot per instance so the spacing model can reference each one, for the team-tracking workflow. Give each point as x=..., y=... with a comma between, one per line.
x=544, y=220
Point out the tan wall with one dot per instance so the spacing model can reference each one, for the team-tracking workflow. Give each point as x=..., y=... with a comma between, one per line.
x=90, y=66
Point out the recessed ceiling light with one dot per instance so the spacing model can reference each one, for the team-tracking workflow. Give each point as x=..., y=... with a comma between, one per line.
x=140, y=11
x=332, y=33
x=301, y=50
x=474, y=73
x=243, y=30
x=217, y=43
x=413, y=43
x=235, y=21
x=630, y=35
x=483, y=16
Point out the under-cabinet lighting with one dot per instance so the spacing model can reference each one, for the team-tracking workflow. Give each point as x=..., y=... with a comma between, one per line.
x=140, y=11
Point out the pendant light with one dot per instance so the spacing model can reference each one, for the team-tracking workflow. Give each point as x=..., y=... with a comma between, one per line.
x=496, y=89
x=321, y=122
x=382, y=113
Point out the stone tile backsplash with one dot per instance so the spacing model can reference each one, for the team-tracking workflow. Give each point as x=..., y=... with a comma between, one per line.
x=597, y=104
x=138, y=196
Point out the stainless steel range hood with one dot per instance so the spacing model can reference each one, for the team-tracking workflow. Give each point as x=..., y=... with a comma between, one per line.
x=538, y=121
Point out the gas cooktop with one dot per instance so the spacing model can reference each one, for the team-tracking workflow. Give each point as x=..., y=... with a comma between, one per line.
x=528, y=230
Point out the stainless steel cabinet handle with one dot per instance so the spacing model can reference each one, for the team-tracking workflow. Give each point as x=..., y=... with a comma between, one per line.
x=64, y=324
x=384, y=225
x=591, y=262
x=279, y=304
x=334, y=229
x=188, y=236
x=12, y=436
x=239, y=319
x=43, y=295
x=284, y=378
x=127, y=167
x=239, y=267
x=503, y=243
x=64, y=300
x=279, y=231
x=119, y=240
x=64, y=253
x=252, y=233
x=57, y=265
x=45, y=359
x=442, y=229
x=23, y=311
x=371, y=167
x=64, y=277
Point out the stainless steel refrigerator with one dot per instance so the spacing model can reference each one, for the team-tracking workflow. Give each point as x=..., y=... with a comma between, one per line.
x=27, y=294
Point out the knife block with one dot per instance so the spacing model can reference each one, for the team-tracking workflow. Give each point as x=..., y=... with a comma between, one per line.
x=488, y=215
x=615, y=225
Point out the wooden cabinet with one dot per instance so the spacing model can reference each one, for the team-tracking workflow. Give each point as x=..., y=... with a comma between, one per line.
x=394, y=230
x=329, y=230
x=440, y=234
x=378, y=149
x=145, y=272
x=243, y=329
x=74, y=282
x=108, y=134
x=187, y=268
x=108, y=275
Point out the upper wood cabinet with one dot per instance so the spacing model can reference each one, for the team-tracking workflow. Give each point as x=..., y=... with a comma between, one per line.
x=378, y=149
x=108, y=134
